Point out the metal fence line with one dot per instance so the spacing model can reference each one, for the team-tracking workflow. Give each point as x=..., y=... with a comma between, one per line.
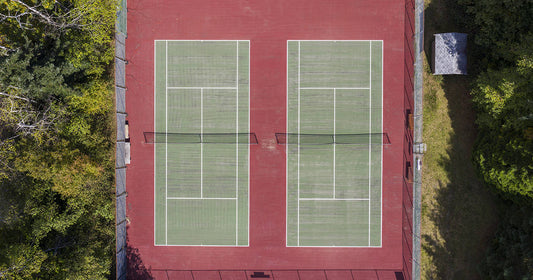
x=121, y=143
x=419, y=147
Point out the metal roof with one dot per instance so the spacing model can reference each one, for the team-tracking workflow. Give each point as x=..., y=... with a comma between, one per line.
x=450, y=54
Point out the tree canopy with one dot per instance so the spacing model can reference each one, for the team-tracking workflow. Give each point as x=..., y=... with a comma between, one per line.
x=504, y=151
x=503, y=98
x=56, y=139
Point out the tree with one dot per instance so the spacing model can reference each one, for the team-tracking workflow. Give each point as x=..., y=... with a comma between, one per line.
x=56, y=146
x=504, y=151
x=87, y=25
x=510, y=254
x=503, y=98
x=501, y=29
x=32, y=84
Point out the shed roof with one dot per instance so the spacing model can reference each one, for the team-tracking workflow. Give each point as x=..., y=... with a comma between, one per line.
x=450, y=54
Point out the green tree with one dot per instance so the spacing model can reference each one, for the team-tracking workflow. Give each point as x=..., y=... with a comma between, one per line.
x=502, y=33
x=501, y=29
x=57, y=211
x=504, y=151
x=510, y=254
x=87, y=25
x=56, y=139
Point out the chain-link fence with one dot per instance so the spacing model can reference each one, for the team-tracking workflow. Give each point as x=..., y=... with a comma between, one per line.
x=121, y=145
x=418, y=144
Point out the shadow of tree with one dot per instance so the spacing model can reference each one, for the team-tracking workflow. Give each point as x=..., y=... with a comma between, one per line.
x=136, y=270
x=465, y=213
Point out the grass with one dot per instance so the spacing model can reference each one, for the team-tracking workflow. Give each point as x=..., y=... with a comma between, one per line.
x=459, y=215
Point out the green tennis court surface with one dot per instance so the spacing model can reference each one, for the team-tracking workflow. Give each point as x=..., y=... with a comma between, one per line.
x=201, y=187
x=334, y=190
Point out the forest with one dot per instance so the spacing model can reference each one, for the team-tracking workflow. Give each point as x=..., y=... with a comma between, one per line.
x=502, y=95
x=57, y=139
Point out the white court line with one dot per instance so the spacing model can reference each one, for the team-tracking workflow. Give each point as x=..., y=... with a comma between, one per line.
x=155, y=144
x=334, y=136
x=202, y=198
x=370, y=147
x=316, y=246
x=381, y=179
x=203, y=245
x=201, y=142
x=237, y=153
x=198, y=40
x=202, y=88
x=287, y=153
x=248, y=148
x=330, y=88
x=298, y=220
x=334, y=199
x=166, y=140
x=334, y=40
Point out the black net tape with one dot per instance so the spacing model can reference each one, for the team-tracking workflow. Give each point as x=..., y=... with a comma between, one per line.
x=206, y=138
x=328, y=139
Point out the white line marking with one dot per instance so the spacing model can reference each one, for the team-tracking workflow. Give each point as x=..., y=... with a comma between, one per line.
x=298, y=220
x=308, y=246
x=201, y=245
x=334, y=40
x=248, y=147
x=237, y=153
x=202, y=198
x=201, y=142
x=334, y=199
x=202, y=88
x=370, y=147
x=287, y=151
x=155, y=144
x=334, y=135
x=330, y=88
x=287, y=154
x=381, y=179
x=198, y=40
x=166, y=140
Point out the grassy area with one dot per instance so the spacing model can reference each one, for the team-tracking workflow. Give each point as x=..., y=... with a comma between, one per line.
x=459, y=215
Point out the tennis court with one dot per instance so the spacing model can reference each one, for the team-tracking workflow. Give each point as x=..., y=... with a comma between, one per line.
x=334, y=143
x=201, y=121
x=321, y=192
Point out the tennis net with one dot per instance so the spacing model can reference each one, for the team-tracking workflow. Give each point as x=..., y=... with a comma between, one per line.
x=328, y=139
x=207, y=138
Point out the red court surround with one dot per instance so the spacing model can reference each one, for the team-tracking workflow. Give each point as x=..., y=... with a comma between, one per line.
x=268, y=24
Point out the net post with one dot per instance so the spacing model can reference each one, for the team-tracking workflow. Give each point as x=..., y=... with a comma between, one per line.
x=149, y=137
x=281, y=138
x=386, y=139
x=253, y=139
